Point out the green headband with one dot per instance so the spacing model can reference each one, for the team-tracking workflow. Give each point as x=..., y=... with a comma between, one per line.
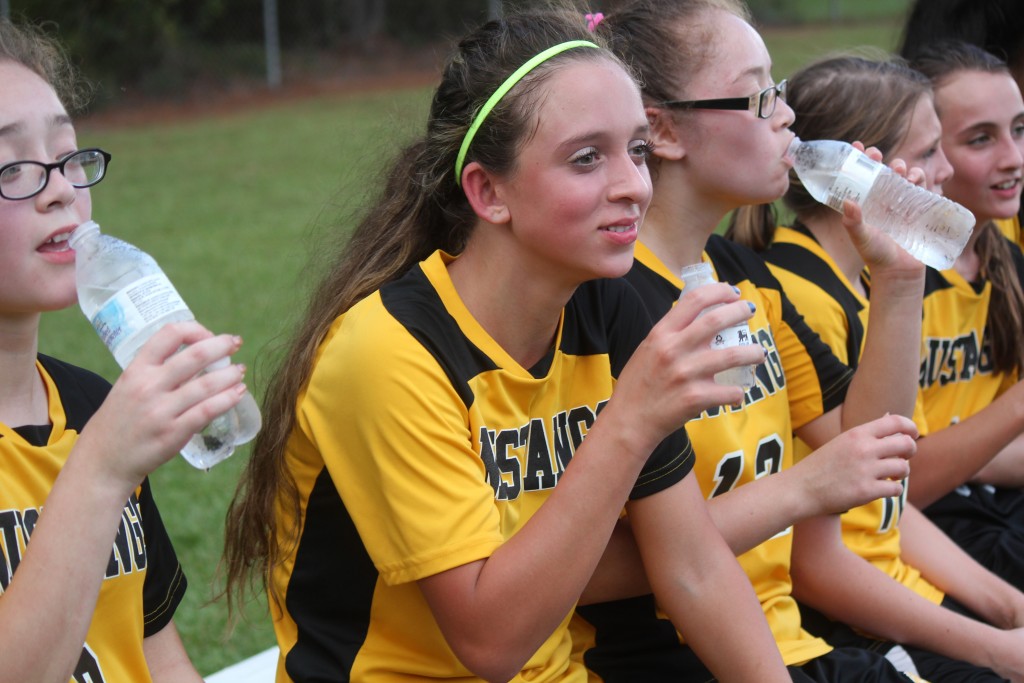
x=493, y=100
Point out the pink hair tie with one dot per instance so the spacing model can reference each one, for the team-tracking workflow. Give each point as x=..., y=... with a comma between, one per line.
x=593, y=20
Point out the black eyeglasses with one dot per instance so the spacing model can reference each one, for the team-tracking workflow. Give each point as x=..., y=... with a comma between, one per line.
x=761, y=103
x=24, y=179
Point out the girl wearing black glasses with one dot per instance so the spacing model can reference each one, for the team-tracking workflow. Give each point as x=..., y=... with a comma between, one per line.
x=70, y=608
x=720, y=129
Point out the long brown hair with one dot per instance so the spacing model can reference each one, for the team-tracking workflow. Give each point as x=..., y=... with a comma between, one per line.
x=420, y=209
x=940, y=61
x=31, y=47
x=664, y=41
x=839, y=97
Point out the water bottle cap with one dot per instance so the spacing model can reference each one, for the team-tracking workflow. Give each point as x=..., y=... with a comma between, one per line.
x=81, y=231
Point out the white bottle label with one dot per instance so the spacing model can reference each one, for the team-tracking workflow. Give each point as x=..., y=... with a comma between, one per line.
x=737, y=335
x=855, y=178
x=133, y=308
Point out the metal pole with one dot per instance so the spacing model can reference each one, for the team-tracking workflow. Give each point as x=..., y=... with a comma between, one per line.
x=272, y=44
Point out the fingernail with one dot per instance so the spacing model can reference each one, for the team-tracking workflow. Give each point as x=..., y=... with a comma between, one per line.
x=240, y=389
x=237, y=340
x=736, y=289
x=765, y=351
x=752, y=306
x=241, y=367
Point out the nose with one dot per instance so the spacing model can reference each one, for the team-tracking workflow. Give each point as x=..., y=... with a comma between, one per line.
x=1011, y=153
x=58, y=191
x=630, y=182
x=783, y=115
x=943, y=169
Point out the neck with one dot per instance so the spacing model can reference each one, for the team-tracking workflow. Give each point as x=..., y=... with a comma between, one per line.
x=518, y=306
x=828, y=229
x=679, y=221
x=23, y=399
x=968, y=263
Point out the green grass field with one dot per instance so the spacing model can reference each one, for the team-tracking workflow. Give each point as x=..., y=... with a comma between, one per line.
x=232, y=208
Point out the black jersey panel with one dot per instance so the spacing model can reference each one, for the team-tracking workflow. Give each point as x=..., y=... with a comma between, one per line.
x=413, y=302
x=81, y=391
x=330, y=591
x=812, y=267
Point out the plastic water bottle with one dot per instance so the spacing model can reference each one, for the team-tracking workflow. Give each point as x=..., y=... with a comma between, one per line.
x=127, y=298
x=932, y=228
x=697, y=275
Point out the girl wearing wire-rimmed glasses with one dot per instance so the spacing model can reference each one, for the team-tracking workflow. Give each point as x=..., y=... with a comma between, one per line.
x=720, y=131
x=88, y=578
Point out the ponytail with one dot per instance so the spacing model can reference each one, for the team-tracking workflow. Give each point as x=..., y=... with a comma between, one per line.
x=419, y=210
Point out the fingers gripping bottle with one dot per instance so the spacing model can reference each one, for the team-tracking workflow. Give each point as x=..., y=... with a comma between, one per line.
x=932, y=228
x=127, y=298
x=697, y=275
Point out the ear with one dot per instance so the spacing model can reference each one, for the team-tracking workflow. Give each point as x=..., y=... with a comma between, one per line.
x=484, y=194
x=665, y=134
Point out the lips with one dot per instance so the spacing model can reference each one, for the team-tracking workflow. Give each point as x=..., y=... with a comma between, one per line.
x=57, y=242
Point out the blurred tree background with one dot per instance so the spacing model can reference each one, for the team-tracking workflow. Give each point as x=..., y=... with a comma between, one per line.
x=173, y=48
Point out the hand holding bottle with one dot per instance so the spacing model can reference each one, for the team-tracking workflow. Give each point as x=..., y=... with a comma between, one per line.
x=932, y=228
x=161, y=399
x=671, y=376
x=128, y=298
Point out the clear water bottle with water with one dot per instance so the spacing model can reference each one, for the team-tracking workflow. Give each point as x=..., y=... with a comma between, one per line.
x=697, y=275
x=127, y=298
x=932, y=228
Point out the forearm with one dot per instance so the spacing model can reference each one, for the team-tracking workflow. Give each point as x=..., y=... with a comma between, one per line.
x=754, y=512
x=166, y=657
x=1006, y=469
x=846, y=588
x=700, y=585
x=950, y=457
x=56, y=585
x=886, y=376
x=551, y=559
x=947, y=566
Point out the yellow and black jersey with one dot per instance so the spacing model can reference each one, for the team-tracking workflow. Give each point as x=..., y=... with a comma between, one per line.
x=799, y=381
x=1010, y=227
x=143, y=583
x=420, y=446
x=838, y=312
x=957, y=377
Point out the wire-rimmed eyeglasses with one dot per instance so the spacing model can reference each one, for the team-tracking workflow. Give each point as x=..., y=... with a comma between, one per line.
x=24, y=179
x=761, y=103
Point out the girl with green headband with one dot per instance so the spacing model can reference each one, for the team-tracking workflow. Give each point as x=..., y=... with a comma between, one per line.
x=720, y=127
x=471, y=402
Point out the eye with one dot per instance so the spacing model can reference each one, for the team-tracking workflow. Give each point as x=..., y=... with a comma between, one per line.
x=11, y=172
x=585, y=157
x=978, y=140
x=642, y=150
x=1018, y=129
x=930, y=152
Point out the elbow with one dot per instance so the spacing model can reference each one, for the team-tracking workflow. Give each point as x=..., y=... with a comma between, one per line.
x=493, y=662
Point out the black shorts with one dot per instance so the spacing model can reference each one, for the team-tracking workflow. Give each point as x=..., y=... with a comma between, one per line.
x=988, y=523
x=930, y=665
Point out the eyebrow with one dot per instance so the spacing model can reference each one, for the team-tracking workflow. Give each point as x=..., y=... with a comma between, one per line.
x=583, y=138
x=56, y=121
